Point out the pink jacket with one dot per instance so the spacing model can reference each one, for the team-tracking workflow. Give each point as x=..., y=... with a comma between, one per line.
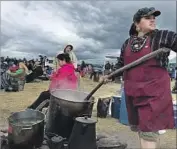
x=64, y=78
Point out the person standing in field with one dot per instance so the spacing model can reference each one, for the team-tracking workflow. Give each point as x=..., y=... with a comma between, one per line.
x=147, y=86
x=69, y=49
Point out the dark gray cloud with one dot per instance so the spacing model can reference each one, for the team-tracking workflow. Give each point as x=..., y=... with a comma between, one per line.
x=94, y=28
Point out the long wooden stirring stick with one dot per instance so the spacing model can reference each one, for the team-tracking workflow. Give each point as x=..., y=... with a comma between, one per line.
x=129, y=66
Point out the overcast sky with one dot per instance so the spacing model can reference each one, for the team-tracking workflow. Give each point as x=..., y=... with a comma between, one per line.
x=93, y=28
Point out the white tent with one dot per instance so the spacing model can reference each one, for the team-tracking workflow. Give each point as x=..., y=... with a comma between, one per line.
x=173, y=60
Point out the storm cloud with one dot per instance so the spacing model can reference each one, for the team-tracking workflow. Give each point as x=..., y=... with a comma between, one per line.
x=94, y=28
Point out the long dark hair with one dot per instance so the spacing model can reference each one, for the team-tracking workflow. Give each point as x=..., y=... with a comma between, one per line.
x=133, y=31
x=64, y=57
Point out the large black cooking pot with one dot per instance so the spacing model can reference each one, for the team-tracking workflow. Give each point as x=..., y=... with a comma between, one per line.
x=71, y=102
x=65, y=106
x=26, y=128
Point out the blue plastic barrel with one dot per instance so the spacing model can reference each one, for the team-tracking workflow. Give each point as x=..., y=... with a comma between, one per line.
x=115, y=107
x=123, y=110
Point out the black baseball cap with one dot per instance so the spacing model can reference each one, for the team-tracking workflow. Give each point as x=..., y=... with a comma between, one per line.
x=145, y=12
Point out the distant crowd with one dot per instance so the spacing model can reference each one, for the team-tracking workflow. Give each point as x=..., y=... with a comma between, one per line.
x=16, y=72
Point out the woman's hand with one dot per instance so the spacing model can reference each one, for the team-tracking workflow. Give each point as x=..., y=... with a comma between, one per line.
x=105, y=79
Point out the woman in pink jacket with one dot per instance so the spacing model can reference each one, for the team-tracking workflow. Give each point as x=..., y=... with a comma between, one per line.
x=63, y=78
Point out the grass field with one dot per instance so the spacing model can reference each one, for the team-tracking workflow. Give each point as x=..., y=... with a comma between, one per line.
x=12, y=102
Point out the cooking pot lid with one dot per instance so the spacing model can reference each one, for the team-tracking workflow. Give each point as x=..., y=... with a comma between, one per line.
x=57, y=139
x=86, y=120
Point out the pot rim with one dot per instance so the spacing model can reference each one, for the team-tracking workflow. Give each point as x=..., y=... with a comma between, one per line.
x=87, y=101
x=24, y=111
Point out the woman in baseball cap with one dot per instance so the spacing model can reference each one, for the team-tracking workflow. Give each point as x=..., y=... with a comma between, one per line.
x=147, y=86
x=143, y=14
